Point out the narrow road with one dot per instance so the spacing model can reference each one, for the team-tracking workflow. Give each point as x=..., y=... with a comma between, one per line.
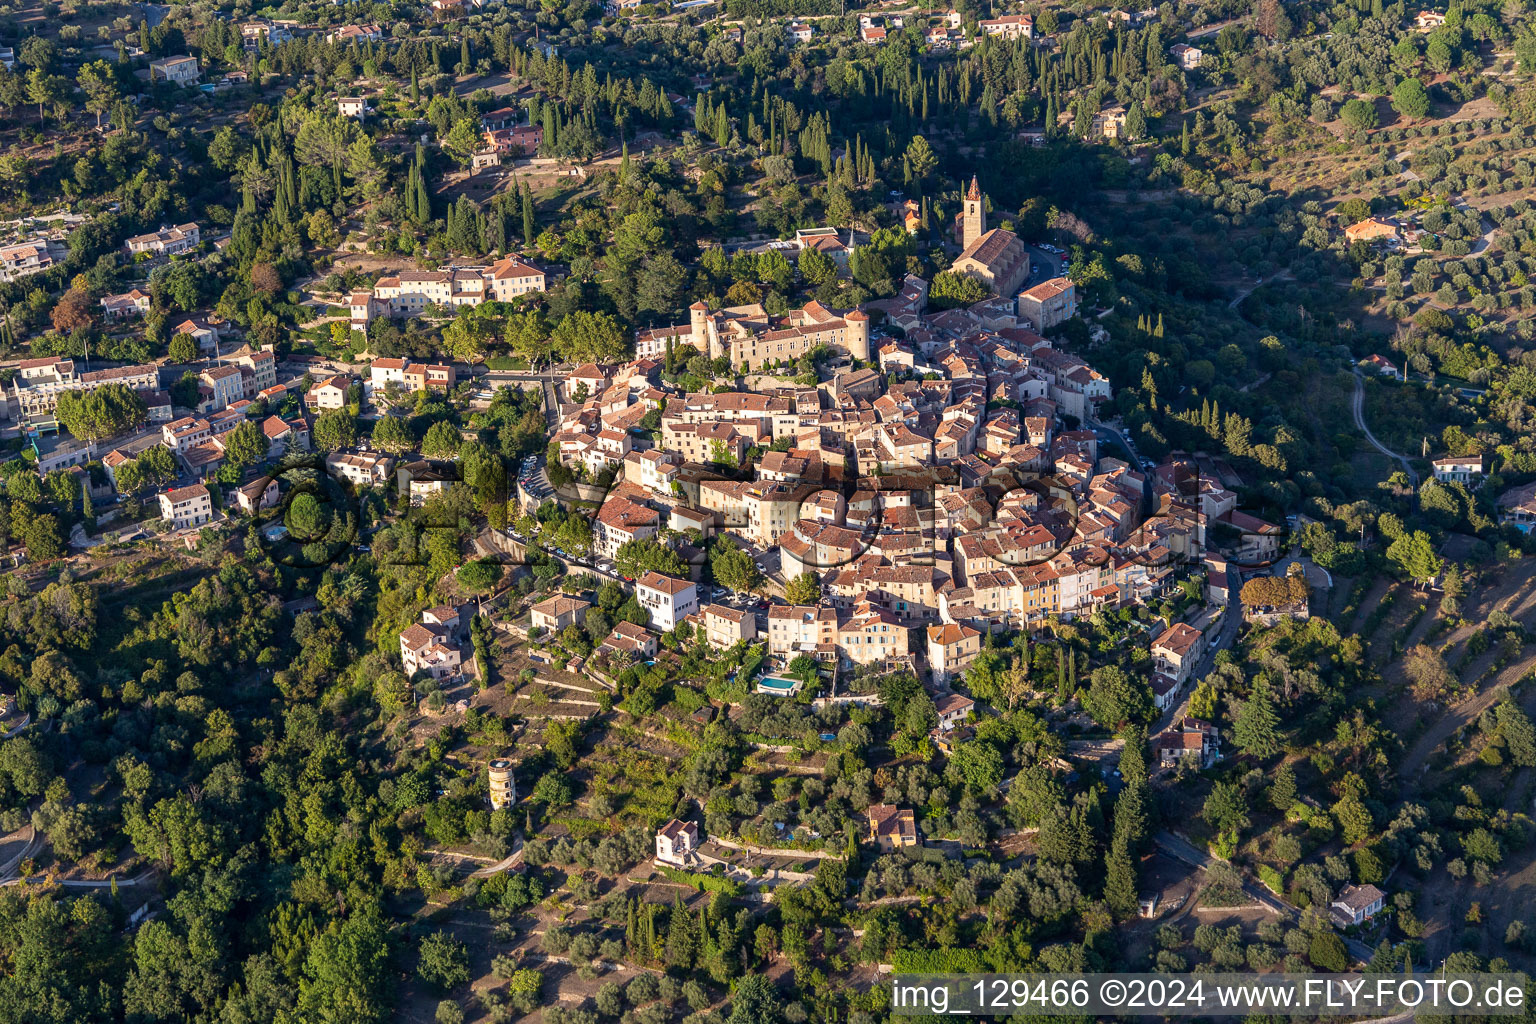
x=107, y=883
x=1357, y=409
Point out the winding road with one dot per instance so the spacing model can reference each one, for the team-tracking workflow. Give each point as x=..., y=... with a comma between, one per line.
x=1357, y=409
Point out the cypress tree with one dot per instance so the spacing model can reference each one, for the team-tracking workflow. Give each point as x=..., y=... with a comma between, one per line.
x=530, y=229
x=1120, y=878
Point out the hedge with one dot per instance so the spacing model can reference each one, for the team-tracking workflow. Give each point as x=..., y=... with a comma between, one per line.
x=939, y=961
x=701, y=882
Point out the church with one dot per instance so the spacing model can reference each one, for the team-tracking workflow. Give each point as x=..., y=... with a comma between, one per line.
x=996, y=258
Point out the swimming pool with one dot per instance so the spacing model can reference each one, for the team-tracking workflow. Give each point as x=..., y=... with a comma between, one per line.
x=779, y=685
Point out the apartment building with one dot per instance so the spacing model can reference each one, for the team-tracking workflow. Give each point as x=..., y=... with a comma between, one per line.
x=667, y=600
x=762, y=512
x=816, y=547
x=802, y=629
x=620, y=521
x=39, y=383
x=258, y=368
x=951, y=649
x=219, y=387
x=187, y=432
x=725, y=627
x=1049, y=303
x=186, y=506
x=330, y=393
x=871, y=636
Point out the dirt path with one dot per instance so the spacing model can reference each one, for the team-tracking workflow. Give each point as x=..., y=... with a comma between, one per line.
x=1459, y=717
x=1368, y=603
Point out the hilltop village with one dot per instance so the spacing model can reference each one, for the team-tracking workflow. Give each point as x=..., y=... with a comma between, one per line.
x=694, y=513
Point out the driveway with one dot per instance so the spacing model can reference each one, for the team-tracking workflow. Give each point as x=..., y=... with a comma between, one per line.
x=1357, y=410
x=1182, y=850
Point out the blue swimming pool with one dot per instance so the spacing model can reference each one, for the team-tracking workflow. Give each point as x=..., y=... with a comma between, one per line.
x=779, y=683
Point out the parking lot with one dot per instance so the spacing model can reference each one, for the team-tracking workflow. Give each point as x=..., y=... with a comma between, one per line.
x=532, y=478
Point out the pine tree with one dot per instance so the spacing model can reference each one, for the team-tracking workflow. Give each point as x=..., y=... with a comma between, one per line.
x=1254, y=729
x=1282, y=792
x=1383, y=960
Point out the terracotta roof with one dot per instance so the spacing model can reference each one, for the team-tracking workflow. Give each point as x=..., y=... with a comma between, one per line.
x=990, y=247
x=950, y=633
x=665, y=584
x=560, y=606
x=182, y=494
x=1048, y=289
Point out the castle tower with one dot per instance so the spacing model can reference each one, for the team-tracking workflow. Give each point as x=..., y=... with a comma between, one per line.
x=503, y=785
x=974, y=215
x=858, y=335
x=698, y=322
